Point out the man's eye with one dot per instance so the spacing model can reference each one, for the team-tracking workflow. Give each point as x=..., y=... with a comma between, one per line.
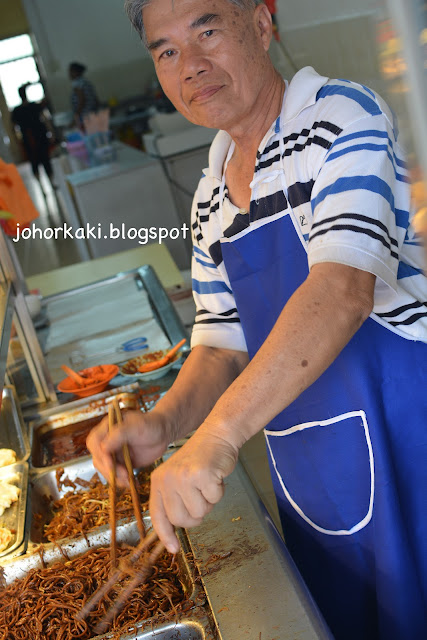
x=167, y=54
x=208, y=33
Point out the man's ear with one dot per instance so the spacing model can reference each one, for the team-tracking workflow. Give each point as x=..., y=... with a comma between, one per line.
x=263, y=25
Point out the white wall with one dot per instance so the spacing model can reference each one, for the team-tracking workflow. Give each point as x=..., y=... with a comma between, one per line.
x=293, y=14
x=335, y=36
x=96, y=33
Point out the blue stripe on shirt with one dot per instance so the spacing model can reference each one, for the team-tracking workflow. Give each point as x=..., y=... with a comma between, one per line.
x=402, y=218
x=210, y=265
x=362, y=85
x=370, y=133
x=199, y=251
x=216, y=286
x=367, y=183
x=368, y=146
x=353, y=94
x=406, y=271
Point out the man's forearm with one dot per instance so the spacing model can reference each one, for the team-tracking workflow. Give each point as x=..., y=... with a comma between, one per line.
x=315, y=325
x=203, y=378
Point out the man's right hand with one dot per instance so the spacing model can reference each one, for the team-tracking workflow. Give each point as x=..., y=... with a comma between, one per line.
x=147, y=437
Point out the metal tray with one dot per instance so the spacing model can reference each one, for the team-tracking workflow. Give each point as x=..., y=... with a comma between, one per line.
x=71, y=426
x=14, y=517
x=33, y=414
x=12, y=433
x=44, y=490
x=166, y=323
x=196, y=624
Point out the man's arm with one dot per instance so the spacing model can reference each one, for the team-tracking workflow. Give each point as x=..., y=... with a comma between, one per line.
x=313, y=328
x=204, y=376
x=315, y=325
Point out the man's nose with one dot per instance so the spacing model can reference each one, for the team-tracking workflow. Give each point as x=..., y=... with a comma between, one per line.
x=193, y=63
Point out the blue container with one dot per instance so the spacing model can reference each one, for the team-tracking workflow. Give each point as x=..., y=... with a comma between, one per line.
x=100, y=148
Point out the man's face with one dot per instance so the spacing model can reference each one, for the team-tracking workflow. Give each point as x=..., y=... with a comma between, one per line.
x=210, y=57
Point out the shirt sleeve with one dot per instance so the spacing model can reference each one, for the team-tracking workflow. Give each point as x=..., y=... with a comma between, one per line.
x=360, y=203
x=217, y=321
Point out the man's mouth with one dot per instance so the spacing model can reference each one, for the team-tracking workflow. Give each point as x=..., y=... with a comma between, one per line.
x=203, y=94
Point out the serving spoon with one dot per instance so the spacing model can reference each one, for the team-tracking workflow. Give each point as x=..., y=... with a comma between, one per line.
x=82, y=381
x=157, y=364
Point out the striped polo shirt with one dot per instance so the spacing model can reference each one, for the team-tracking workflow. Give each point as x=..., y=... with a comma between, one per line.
x=332, y=160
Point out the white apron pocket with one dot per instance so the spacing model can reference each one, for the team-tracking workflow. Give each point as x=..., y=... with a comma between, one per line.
x=325, y=469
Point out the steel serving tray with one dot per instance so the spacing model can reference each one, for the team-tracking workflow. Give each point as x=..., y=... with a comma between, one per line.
x=43, y=490
x=14, y=517
x=194, y=624
x=12, y=433
x=61, y=437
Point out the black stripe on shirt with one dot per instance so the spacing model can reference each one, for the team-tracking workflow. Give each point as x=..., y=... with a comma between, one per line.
x=360, y=218
x=217, y=321
x=240, y=222
x=215, y=252
x=268, y=206
x=399, y=310
x=222, y=313
x=350, y=227
x=410, y=320
x=300, y=193
x=206, y=205
x=322, y=142
x=323, y=124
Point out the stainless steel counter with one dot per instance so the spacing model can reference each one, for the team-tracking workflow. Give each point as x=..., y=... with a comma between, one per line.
x=256, y=592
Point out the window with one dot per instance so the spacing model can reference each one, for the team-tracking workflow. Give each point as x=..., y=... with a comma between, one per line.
x=18, y=67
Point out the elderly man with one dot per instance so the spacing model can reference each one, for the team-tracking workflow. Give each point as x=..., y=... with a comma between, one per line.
x=311, y=319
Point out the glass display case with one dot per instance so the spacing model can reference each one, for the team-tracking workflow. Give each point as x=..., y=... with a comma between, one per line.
x=22, y=363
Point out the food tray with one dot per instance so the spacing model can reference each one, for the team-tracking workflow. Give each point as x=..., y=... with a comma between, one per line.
x=194, y=624
x=44, y=490
x=129, y=369
x=69, y=428
x=14, y=517
x=12, y=434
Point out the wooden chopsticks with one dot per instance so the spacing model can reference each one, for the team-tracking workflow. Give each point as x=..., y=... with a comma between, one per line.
x=115, y=576
x=112, y=486
x=139, y=578
x=129, y=467
x=118, y=571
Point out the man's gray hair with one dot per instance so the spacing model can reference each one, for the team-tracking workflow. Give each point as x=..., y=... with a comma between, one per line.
x=134, y=9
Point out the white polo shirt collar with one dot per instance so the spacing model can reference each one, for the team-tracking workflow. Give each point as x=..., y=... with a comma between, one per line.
x=300, y=93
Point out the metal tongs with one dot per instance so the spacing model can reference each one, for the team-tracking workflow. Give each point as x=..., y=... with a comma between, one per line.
x=120, y=570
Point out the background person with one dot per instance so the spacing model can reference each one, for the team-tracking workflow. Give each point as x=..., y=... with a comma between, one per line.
x=311, y=319
x=28, y=117
x=84, y=99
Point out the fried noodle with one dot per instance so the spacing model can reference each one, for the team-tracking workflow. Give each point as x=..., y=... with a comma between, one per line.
x=43, y=605
x=78, y=512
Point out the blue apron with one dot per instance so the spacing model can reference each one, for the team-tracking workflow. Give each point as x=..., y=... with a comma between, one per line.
x=348, y=458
